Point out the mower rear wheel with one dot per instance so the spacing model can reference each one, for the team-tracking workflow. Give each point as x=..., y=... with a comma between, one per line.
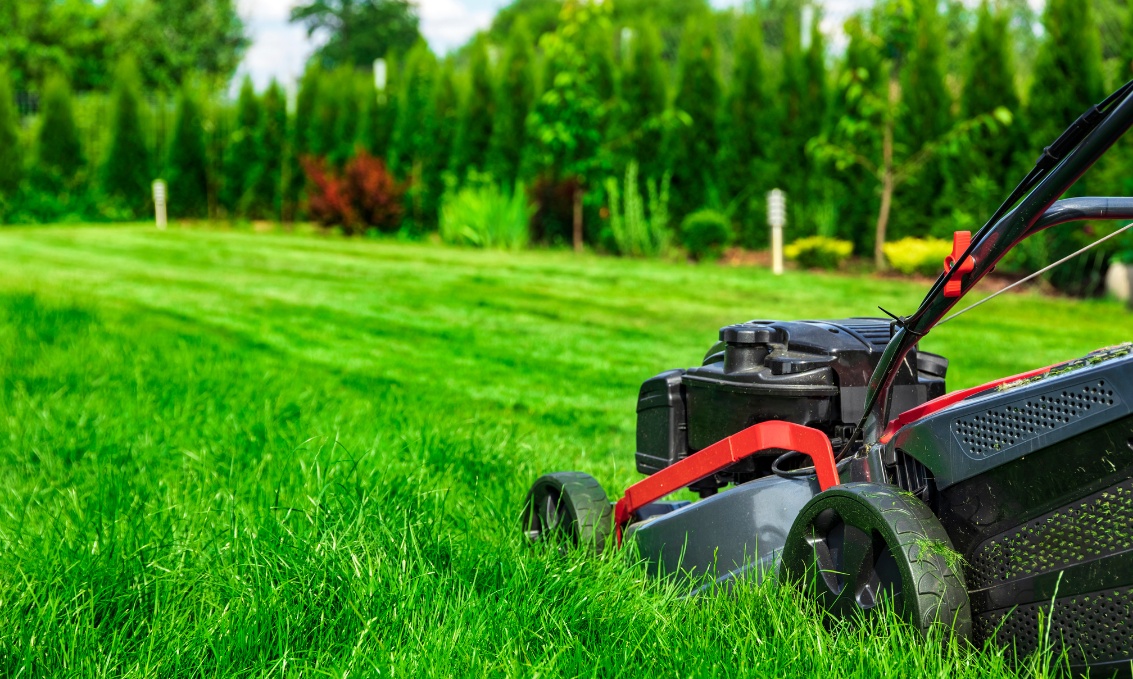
x=568, y=507
x=859, y=543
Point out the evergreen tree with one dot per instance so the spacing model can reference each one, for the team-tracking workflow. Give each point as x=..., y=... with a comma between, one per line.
x=11, y=160
x=1067, y=76
x=346, y=117
x=300, y=139
x=795, y=118
x=926, y=116
x=59, y=155
x=264, y=196
x=695, y=146
x=187, y=164
x=814, y=113
x=126, y=170
x=386, y=114
x=413, y=155
x=243, y=153
x=747, y=169
x=644, y=99
x=514, y=95
x=475, y=132
x=322, y=133
x=446, y=105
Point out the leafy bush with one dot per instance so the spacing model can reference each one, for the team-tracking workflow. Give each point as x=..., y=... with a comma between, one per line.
x=366, y=195
x=634, y=233
x=706, y=233
x=483, y=215
x=923, y=256
x=819, y=252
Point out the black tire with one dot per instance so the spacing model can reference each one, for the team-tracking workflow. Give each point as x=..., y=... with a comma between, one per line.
x=856, y=543
x=568, y=507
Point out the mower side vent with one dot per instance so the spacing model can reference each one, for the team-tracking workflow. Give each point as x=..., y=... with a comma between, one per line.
x=1095, y=527
x=997, y=429
x=1094, y=627
x=871, y=331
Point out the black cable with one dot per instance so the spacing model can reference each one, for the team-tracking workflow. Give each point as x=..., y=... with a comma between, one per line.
x=801, y=471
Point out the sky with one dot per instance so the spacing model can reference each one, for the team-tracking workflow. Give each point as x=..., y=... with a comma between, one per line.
x=280, y=49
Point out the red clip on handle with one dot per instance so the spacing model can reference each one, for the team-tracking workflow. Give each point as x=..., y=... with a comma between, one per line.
x=960, y=242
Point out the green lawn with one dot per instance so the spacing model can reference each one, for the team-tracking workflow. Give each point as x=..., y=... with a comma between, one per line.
x=224, y=453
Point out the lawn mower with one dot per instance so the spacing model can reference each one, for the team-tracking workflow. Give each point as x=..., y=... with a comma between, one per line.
x=829, y=453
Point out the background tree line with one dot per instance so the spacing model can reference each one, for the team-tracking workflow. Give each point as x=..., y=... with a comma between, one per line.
x=916, y=127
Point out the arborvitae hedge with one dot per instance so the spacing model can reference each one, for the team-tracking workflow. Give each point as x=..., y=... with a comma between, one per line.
x=347, y=116
x=699, y=96
x=514, y=95
x=747, y=167
x=446, y=104
x=414, y=155
x=187, y=164
x=264, y=200
x=59, y=155
x=242, y=154
x=477, y=114
x=126, y=172
x=644, y=98
x=300, y=134
x=11, y=159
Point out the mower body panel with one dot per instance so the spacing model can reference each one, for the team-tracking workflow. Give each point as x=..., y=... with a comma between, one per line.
x=738, y=532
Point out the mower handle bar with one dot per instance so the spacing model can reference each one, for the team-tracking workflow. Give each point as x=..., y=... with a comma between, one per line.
x=1036, y=210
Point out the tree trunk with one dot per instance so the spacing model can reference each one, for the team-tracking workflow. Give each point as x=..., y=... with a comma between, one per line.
x=577, y=235
x=887, y=179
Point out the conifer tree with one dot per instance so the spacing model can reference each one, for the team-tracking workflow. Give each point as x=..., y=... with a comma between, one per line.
x=815, y=111
x=11, y=160
x=300, y=138
x=346, y=117
x=926, y=116
x=386, y=114
x=477, y=111
x=794, y=117
x=644, y=99
x=369, y=118
x=243, y=153
x=59, y=155
x=322, y=134
x=413, y=156
x=264, y=196
x=446, y=107
x=187, y=163
x=1067, y=76
x=747, y=169
x=514, y=96
x=126, y=169
x=698, y=96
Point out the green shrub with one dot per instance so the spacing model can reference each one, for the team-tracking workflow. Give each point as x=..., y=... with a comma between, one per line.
x=187, y=166
x=819, y=252
x=126, y=171
x=923, y=256
x=633, y=233
x=705, y=233
x=11, y=156
x=483, y=215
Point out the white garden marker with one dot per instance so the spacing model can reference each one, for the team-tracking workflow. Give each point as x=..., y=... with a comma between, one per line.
x=159, y=198
x=380, y=74
x=777, y=219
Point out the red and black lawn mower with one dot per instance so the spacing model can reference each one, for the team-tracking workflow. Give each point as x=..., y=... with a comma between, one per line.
x=998, y=510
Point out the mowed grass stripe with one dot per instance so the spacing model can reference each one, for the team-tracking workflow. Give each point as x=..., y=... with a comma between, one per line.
x=227, y=453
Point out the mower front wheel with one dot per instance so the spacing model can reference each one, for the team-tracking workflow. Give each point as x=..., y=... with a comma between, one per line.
x=568, y=507
x=857, y=544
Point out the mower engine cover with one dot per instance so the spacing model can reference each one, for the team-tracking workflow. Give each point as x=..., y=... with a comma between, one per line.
x=812, y=373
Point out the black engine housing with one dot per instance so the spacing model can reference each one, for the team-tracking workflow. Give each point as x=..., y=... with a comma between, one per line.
x=812, y=373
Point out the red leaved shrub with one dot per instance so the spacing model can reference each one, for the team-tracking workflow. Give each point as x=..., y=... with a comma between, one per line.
x=365, y=195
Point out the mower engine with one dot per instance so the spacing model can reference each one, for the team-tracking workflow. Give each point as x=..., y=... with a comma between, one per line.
x=812, y=373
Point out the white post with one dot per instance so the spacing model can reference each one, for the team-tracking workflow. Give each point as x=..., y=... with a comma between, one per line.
x=380, y=74
x=159, y=199
x=777, y=219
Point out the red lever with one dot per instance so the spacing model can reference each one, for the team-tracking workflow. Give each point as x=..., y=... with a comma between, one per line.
x=960, y=242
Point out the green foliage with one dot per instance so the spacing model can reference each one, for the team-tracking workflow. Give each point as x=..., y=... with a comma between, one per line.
x=347, y=116
x=644, y=98
x=447, y=109
x=11, y=156
x=540, y=17
x=359, y=32
x=924, y=256
x=514, y=96
x=633, y=232
x=59, y=155
x=819, y=252
x=186, y=166
x=414, y=154
x=477, y=111
x=705, y=234
x=301, y=133
x=126, y=175
x=264, y=197
x=698, y=97
x=364, y=196
x=243, y=152
x=483, y=214
x=747, y=163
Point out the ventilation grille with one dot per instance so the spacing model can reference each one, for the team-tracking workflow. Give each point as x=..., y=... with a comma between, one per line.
x=1095, y=627
x=1098, y=526
x=997, y=429
x=875, y=333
